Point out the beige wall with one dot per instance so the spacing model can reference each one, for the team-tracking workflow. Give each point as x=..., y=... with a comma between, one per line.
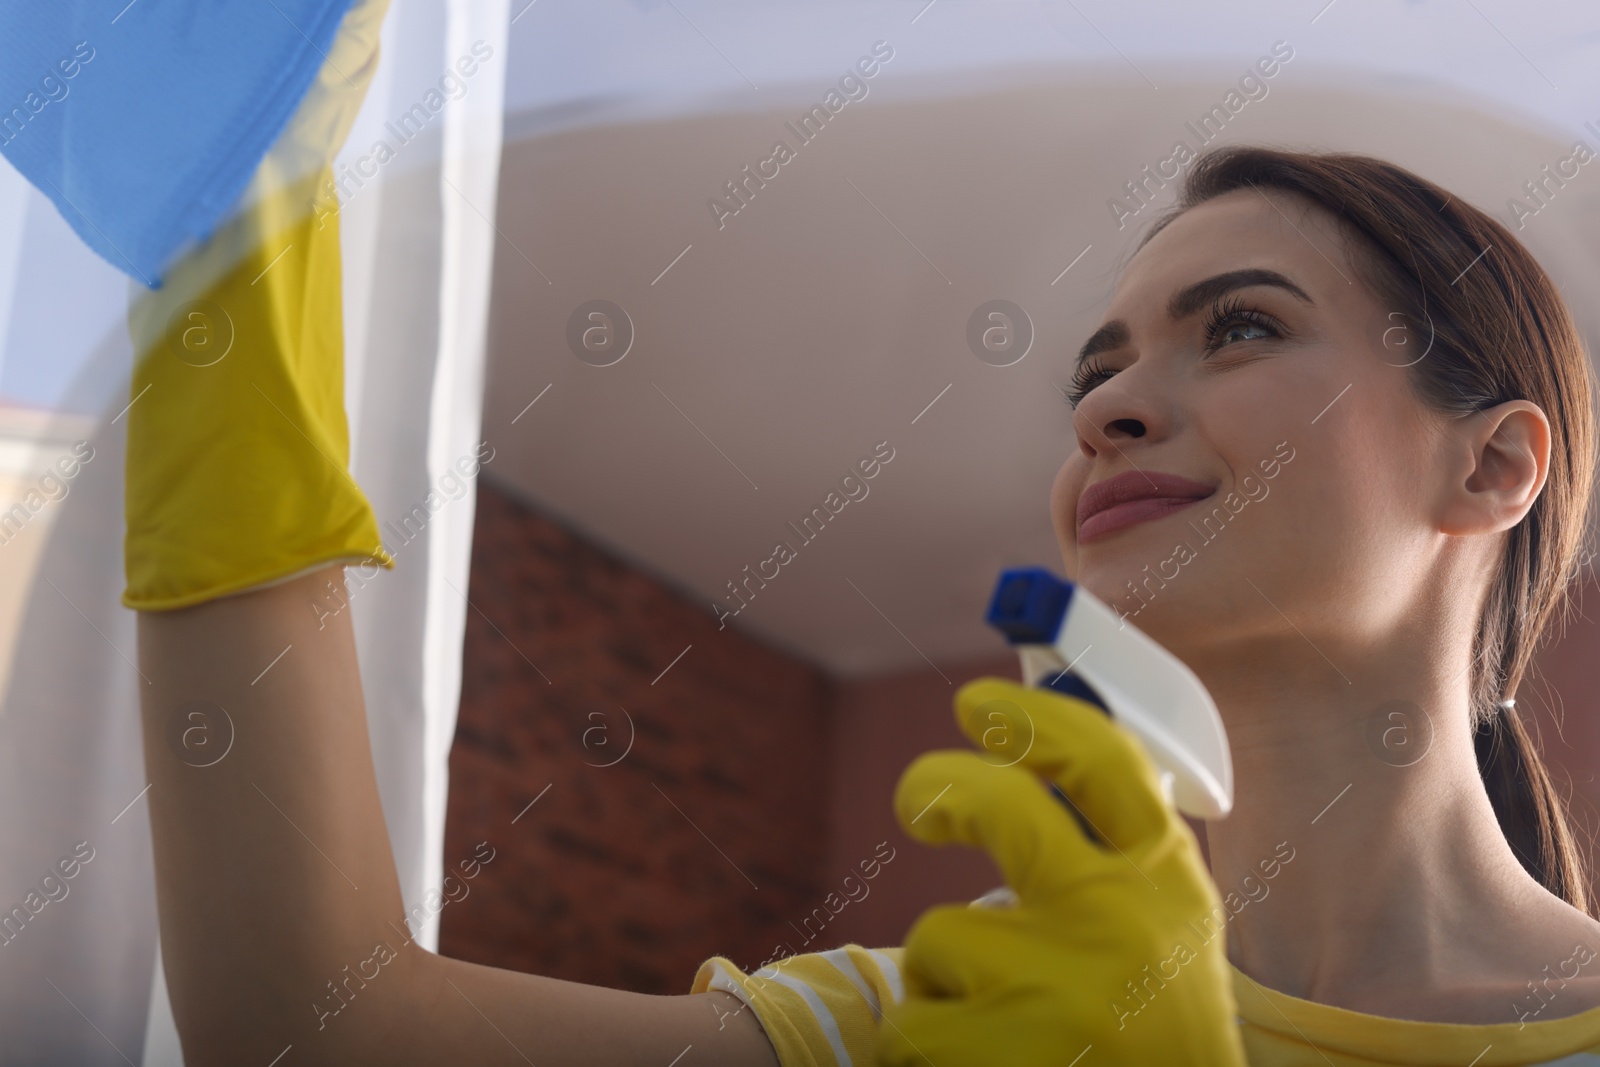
x=30, y=441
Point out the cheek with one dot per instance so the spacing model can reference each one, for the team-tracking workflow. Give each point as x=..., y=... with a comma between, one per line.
x=1064, y=493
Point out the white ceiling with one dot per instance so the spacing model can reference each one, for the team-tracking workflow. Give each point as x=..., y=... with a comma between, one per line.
x=833, y=309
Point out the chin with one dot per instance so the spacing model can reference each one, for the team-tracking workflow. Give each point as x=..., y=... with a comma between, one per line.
x=1144, y=584
x=1134, y=560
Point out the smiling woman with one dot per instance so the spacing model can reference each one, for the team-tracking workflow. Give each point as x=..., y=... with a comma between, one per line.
x=1419, y=554
x=1515, y=361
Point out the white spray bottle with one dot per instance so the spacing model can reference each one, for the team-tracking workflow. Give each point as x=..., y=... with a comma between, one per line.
x=1072, y=642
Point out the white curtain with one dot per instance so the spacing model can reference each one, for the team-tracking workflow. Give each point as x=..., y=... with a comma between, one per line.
x=79, y=968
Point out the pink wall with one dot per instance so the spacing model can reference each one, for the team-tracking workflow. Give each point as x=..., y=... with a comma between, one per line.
x=1559, y=702
x=880, y=725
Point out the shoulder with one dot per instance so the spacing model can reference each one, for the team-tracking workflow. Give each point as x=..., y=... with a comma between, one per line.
x=1554, y=977
x=1553, y=998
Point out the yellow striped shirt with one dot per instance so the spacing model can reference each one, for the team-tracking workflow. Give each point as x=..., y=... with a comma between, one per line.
x=821, y=1009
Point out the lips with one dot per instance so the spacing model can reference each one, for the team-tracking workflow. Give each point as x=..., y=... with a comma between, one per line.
x=1133, y=497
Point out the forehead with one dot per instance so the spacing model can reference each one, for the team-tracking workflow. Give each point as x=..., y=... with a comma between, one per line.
x=1245, y=228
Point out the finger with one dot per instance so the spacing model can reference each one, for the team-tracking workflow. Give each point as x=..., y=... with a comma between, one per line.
x=1099, y=764
x=956, y=950
x=1009, y=812
x=957, y=962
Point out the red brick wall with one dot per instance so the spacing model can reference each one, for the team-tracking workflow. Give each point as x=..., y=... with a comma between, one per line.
x=603, y=880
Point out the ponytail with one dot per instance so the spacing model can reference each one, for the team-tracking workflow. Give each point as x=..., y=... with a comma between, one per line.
x=1531, y=813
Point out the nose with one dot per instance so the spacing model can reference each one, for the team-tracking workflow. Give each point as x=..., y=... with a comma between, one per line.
x=1124, y=428
x=1112, y=414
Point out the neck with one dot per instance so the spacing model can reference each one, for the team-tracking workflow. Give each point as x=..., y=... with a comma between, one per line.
x=1362, y=851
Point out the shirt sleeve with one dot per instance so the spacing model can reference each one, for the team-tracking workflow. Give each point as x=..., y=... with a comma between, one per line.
x=820, y=1009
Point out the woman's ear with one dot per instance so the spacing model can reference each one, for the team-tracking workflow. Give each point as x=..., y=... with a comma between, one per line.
x=1508, y=457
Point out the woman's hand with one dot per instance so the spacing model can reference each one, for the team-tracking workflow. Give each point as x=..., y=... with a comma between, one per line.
x=1115, y=946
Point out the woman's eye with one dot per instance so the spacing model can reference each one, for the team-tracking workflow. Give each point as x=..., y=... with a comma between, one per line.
x=1240, y=331
x=1232, y=323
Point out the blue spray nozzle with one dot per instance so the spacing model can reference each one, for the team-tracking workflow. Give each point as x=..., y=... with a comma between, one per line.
x=1028, y=605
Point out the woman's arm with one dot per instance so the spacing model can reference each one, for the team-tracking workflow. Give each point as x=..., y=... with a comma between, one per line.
x=281, y=916
x=283, y=934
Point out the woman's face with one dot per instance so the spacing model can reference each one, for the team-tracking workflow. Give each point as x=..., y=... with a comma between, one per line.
x=1242, y=362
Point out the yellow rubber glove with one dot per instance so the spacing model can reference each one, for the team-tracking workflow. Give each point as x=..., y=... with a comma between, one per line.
x=238, y=448
x=1113, y=951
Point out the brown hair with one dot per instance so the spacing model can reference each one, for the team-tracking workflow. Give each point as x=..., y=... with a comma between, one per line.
x=1497, y=330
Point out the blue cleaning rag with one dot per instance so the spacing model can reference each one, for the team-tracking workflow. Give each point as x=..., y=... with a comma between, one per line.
x=144, y=121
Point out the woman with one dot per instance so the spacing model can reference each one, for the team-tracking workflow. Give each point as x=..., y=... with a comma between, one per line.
x=1418, y=531
x=1367, y=602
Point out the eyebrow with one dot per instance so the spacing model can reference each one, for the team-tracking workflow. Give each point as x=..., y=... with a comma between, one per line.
x=1187, y=301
